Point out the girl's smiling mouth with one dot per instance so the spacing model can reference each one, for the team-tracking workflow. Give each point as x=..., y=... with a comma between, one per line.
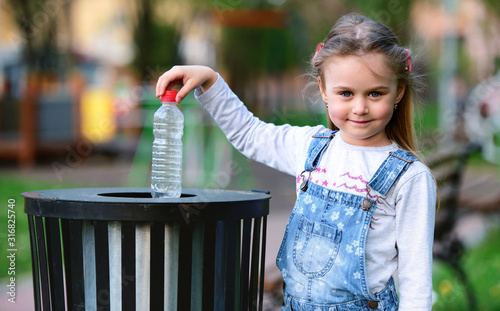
x=360, y=122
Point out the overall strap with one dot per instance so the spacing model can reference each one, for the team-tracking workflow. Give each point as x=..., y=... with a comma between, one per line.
x=317, y=148
x=315, y=152
x=393, y=167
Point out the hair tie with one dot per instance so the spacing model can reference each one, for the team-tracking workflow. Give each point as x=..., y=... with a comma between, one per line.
x=408, y=60
x=318, y=48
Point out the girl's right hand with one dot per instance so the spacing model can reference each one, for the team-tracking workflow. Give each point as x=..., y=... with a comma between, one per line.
x=190, y=77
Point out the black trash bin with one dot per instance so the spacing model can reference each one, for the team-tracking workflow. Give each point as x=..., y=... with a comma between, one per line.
x=120, y=249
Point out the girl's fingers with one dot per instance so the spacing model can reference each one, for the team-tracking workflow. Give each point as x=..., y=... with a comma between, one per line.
x=189, y=77
x=171, y=77
x=184, y=91
x=161, y=86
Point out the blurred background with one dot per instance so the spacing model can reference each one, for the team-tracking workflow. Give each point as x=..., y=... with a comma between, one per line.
x=77, y=96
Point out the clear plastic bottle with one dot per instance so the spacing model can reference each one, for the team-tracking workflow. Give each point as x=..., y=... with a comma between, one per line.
x=166, y=171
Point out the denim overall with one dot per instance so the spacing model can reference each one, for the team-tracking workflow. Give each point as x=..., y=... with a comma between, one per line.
x=322, y=256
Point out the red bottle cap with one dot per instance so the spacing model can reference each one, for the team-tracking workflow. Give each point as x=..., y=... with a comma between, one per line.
x=168, y=96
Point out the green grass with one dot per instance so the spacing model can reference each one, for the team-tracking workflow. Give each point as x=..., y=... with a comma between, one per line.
x=427, y=118
x=482, y=266
x=11, y=188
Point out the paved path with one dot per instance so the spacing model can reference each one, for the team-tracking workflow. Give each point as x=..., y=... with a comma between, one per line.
x=24, y=295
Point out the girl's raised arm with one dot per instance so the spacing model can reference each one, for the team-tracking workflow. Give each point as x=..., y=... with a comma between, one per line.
x=189, y=77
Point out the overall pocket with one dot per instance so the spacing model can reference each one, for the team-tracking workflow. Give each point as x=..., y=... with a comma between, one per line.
x=316, y=247
x=280, y=260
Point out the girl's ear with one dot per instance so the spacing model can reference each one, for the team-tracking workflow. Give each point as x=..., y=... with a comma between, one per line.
x=401, y=93
x=322, y=90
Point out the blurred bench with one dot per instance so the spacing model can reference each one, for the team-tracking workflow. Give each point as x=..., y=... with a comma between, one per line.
x=481, y=192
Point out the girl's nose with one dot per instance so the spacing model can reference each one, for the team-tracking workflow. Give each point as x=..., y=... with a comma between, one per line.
x=360, y=107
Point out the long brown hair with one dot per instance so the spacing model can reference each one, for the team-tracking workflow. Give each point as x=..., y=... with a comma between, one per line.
x=354, y=34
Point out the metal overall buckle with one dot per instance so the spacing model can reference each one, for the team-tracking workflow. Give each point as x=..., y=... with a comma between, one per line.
x=367, y=203
x=304, y=184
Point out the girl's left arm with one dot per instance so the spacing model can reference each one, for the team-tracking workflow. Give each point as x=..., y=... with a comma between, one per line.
x=415, y=217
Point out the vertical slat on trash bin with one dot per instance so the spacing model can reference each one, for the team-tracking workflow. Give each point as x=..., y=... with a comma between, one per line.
x=73, y=260
x=34, y=263
x=128, y=265
x=197, y=267
x=101, y=264
x=54, y=257
x=254, y=273
x=220, y=264
x=156, y=274
x=88, y=246
x=208, y=265
x=245, y=263
x=232, y=289
x=171, y=256
x=142, y=264
x=44, y=278
x=262, y=262
x=115, y=265
x=185, y=258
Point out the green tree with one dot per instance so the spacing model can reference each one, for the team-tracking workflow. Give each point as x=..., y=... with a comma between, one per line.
x=155, y=42
x=40, y=23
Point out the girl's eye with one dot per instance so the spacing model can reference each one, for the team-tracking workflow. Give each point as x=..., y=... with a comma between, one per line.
x=375, y=94
x=346, y=94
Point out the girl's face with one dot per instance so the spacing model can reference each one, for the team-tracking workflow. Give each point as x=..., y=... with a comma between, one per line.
x=360, y=93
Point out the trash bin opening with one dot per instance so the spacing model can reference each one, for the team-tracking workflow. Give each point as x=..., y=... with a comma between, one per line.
x=137, y=195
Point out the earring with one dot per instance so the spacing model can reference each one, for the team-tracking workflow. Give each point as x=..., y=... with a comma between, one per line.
x=395, y=106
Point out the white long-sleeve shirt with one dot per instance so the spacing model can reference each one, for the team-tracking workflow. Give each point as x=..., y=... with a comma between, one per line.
x=402, y=228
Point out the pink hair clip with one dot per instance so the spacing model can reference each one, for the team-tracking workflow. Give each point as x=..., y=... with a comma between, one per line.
x=408, y=60
x=318, y=48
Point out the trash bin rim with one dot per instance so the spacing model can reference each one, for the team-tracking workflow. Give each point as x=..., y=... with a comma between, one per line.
x=90, y=203
x=100, y=195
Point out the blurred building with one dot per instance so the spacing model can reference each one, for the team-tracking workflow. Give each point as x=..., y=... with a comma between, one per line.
x=476, y=27
x=61, y=104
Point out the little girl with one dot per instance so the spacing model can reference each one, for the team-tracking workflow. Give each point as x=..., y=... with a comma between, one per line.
x=366, y=203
